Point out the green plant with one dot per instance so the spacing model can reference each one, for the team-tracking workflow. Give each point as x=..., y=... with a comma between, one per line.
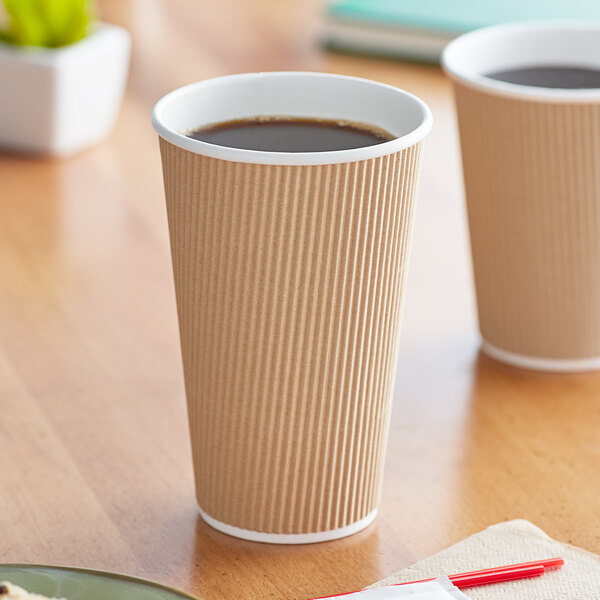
x=49, y=23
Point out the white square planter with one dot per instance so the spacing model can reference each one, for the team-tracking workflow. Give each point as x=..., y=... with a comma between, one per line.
x=60, y=100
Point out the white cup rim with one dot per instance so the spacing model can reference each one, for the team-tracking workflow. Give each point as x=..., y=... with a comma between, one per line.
x=177, y=137
x=455, y=59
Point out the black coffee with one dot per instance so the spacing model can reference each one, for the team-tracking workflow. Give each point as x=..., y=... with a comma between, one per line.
x=290, y=134
x=568, y=78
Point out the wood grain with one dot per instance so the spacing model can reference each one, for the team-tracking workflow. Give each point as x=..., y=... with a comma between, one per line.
x=94, y=451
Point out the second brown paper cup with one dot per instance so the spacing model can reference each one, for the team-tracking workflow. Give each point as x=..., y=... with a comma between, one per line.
x=531, y=160
x=289, y=275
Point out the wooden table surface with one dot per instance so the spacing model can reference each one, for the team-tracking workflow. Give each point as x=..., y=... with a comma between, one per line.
x=94, y=455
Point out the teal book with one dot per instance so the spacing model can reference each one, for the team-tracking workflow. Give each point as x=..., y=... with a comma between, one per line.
x=419, y=29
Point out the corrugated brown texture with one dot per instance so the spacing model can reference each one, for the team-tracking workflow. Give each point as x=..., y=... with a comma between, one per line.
x=289, y=283
x=532, y=181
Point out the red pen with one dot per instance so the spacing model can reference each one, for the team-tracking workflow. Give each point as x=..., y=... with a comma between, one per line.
x=497, y=574
x=492, y=575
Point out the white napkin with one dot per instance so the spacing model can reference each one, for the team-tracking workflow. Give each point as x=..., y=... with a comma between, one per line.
x=508, y=543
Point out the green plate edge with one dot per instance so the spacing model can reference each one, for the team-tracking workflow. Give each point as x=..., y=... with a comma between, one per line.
x=98, y=574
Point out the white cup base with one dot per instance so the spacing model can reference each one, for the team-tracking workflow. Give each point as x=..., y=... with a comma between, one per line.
x=289, y=538
x=565, y=365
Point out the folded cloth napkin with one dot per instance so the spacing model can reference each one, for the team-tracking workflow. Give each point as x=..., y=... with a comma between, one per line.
x=508, y=543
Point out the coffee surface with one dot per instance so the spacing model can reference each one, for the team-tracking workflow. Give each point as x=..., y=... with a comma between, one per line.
x=289, y=134
x=569, y=78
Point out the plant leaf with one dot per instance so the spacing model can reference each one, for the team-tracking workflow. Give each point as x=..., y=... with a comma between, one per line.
x=50, y=23
x=26, y=25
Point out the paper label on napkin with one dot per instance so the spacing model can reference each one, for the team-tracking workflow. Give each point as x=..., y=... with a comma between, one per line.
x=440, y=589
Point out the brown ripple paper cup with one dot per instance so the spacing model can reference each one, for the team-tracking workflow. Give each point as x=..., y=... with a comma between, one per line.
x=289, y=275
x=531, y=161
